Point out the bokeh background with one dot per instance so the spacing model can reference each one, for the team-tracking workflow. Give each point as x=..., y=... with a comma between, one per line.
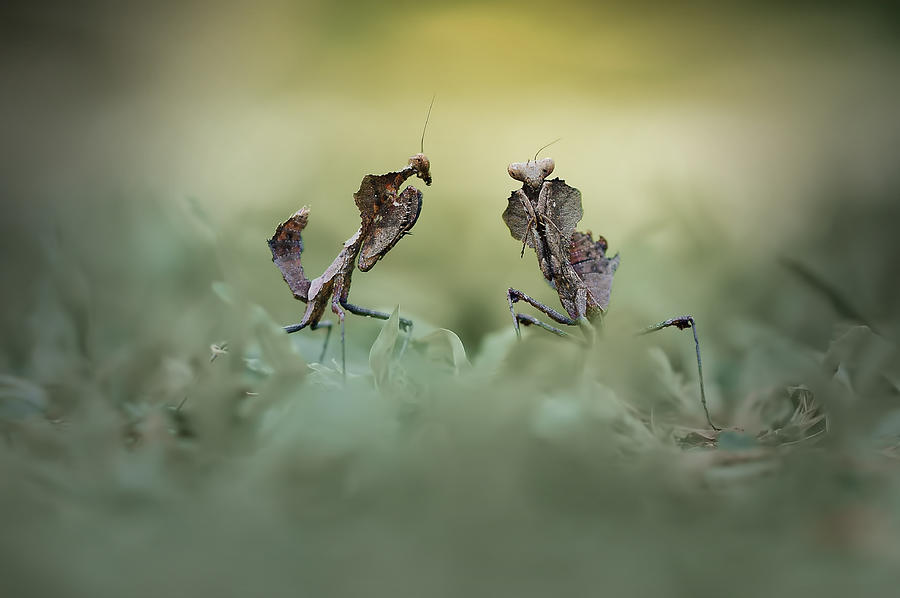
x=741, y=157
x=730, y=130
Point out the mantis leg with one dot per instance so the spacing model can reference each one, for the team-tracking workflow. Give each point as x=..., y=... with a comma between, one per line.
x=514, y=296
x=371, y=313
x=405, y=324
x=683, y=323
x=328, y=325
x=527, y=320
x=336, y=308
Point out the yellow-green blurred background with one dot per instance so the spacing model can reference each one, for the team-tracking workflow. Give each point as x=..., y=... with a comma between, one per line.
x=694, y=131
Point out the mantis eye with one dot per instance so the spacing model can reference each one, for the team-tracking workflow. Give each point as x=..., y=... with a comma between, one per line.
x=547, y=166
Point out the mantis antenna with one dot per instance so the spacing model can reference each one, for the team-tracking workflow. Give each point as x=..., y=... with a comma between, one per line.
x=545, y=147
x=427, y=116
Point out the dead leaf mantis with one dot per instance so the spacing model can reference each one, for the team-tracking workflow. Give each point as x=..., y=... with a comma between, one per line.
x=387, y=215
x=543, y=215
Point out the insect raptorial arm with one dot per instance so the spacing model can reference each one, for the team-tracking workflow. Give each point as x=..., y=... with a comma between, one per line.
x=532, y=220
x=286, y=246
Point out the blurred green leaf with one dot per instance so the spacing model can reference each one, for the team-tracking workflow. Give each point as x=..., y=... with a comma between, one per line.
x=864, y=356
x=20, y=398
x=442, y=348
x=381, y=355
x=223, y=292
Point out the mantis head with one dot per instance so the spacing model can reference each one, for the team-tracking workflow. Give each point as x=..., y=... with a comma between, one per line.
x=422, y=166
x=533, y=172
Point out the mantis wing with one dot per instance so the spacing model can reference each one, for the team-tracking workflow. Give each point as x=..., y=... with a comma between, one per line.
x=589, y=260
x=517, y=217
x=560, y=204
x=386, y=217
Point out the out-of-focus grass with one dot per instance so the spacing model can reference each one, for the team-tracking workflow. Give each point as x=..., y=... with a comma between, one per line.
x=148, y=157
x=137, y=464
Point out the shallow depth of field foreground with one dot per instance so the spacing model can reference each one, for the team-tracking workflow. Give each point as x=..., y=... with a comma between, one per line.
x=160, y=435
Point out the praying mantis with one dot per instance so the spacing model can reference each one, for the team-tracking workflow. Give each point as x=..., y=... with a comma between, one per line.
x=543, y=215
x=387, y=216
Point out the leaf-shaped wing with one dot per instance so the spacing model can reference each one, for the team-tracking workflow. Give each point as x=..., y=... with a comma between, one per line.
x=561, y=205
x=390, y=218
x=593, y=267
x=375, y=190
x=286, y=246
x=517, y=218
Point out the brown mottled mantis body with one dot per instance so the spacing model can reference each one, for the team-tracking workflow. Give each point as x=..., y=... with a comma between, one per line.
x=387, y=215
x=543, y=215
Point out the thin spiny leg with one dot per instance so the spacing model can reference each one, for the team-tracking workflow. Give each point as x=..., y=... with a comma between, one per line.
x=516, y=295
x=371, y=313
x=527, y=233
x=405, y=324
x=294, y=328
x=682, y=323
x=532, y=218
x=326, y=324
x=512, y=312
x=527, y=320
x=336, y=308
x=513, y=296
x=343, y=351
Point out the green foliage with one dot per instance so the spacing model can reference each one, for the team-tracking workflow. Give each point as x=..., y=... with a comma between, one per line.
x=225, y=462
x=180, y=439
